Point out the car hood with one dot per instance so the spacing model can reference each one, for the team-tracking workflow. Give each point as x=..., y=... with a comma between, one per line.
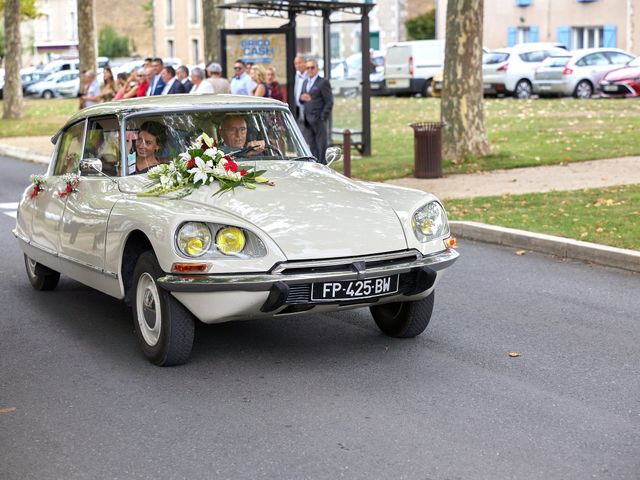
x=312, y=212
x=624, y=73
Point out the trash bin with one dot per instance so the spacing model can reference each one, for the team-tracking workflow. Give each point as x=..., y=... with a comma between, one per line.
x=427, y=141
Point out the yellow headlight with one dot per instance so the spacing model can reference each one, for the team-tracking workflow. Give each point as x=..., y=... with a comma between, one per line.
x=230, y=240
x=194, y=239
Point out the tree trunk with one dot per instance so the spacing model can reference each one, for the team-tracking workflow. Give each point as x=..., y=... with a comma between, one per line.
x=12, y=91
x=87, y=44
x=212, y=23
x=462, y=109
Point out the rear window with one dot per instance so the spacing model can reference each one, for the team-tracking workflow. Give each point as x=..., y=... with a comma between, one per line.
x=537, y=56
x=492, y=58
x=556, y=61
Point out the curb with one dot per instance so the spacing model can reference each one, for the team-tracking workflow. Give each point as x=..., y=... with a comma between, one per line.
x=565, y=248
x=23, y=154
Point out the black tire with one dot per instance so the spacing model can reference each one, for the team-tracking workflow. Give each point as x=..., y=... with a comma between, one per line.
x=584, y=89
x=523, y=90
x=41, y=277
x=164, y=327
x=404, y=319
x=47, y=94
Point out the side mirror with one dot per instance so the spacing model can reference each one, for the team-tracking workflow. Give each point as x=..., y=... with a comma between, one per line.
x=90, y=166
x=333, y=154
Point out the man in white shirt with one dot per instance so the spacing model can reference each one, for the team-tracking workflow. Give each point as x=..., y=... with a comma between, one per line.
x=92, y=96
x=241, y=83
x=200, y=85
x=299, y=64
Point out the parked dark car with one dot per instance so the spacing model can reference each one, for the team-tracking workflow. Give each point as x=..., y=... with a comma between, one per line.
x=623, y=82
x=28, y=78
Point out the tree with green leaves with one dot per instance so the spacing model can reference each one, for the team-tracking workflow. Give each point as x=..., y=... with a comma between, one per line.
x=110, y=44
x=462, y=108
x=422, y=27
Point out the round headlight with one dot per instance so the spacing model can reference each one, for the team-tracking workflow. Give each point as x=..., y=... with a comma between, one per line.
x=230, y=240
x=193, y=239
x=430, y=222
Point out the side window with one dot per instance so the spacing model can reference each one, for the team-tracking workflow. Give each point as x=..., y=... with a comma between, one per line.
x=596, y=59
x=618, y=58
x=103, y=142
x=68, y=159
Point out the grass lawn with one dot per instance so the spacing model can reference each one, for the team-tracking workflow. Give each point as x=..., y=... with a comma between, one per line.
x=609, y=216
x=41, y=117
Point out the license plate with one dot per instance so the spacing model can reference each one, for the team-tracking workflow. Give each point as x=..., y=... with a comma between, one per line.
x=352, y=289
x=544, y=87
x=391, y=82
x=610, y=88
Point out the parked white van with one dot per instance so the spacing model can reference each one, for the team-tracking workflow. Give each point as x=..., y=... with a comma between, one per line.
x=410, y=66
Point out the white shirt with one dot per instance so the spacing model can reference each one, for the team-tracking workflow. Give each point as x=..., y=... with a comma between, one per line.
x=203, y=87
x=300, y=78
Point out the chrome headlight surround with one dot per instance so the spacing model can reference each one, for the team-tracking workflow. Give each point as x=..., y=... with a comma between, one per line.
x=207, y=234
x=429, y=222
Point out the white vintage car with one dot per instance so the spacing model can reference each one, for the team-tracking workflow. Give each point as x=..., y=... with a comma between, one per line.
x=298, y=237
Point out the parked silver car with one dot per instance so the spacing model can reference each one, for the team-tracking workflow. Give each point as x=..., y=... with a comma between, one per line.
x=579, y=73
x=64, y=83
x=510, y=70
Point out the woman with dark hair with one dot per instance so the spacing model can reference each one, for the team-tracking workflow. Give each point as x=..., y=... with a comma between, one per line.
x=151, y=139
x=108, y=90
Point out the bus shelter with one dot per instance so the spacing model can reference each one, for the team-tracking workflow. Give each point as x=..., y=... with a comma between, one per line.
x=277, y=47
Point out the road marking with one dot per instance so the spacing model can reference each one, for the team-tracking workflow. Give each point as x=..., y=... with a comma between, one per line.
x=9, y=209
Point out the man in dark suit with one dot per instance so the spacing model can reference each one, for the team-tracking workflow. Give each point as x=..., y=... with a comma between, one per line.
x=156, y=84
x=316, y=101
x=171, y=83
x=182, y=74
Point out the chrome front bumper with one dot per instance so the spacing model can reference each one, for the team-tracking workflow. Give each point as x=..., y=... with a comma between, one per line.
x=293, y=273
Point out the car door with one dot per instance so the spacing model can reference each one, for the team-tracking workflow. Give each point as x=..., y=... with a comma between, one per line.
x=86, y=214
x=68, y=84
x=595, y=66
x=44, y=212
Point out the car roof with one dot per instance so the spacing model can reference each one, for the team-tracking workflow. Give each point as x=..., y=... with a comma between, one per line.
x=178, y=102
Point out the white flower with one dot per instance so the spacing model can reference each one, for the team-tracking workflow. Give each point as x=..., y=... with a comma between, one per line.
x=184, y=156
x=211, y=152
x=202, y=170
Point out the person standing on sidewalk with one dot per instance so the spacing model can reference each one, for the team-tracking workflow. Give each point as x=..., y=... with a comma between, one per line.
x=300, y=65
x=92, y=95
x=316, y=101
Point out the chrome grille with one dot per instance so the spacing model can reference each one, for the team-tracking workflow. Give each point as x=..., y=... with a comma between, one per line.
x=300, y=293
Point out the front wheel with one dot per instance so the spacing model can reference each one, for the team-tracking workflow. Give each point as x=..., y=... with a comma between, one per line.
x=164, y=327
x=41, y=277
x=47, y=94
x=403, y=319
x=523, y=89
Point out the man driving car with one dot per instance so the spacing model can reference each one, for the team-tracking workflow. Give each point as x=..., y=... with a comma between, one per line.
x=233, y=133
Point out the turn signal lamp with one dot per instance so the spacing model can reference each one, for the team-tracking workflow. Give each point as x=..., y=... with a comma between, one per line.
x=189, y=267
x=450, y=242
x=230, y=240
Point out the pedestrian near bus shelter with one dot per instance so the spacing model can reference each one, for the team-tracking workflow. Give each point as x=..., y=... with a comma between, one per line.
x=316, y=101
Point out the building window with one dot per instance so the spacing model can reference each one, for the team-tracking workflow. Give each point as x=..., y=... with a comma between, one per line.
x=587, y=37
x=335, y=45
x=169, y=13
x=171, y=48
x=194, y=17
x=195, y=50
x=47, y=26
x=523, y=3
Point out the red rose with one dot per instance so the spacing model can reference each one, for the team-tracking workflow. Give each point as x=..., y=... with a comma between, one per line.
x=69, y=188
x=191, y=163
x=228, y=158
x=243, y=172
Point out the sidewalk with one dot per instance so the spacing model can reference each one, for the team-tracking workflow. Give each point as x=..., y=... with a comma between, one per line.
x=573, y=176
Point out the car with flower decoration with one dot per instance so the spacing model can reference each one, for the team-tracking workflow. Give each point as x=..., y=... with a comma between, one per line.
x=211, y=208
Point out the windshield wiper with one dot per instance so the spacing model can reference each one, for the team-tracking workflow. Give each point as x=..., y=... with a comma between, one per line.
x=304, y=158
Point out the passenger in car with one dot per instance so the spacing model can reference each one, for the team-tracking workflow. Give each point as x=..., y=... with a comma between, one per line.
x=233, y=133
x=150, y=140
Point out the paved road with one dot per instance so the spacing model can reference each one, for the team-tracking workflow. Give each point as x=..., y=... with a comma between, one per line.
x=327, y=396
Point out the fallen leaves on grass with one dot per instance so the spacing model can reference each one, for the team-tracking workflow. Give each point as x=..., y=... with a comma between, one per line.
x=514, y=354
x=520, y=252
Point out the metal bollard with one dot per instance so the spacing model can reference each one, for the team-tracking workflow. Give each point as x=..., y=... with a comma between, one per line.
x=346, y=153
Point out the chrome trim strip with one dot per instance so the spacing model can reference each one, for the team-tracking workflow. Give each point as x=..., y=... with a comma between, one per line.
x=263, y=281
x=343, y=261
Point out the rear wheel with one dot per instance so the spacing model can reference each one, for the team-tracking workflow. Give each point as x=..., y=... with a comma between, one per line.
x=164, y=327
x=404, y=319
x=584, y=89
x=47, y=94
x=523, y=89
x=41, y=277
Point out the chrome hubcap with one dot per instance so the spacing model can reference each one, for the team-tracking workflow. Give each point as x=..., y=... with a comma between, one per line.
x=148, y=309
x=584, y=90
x=31, y=267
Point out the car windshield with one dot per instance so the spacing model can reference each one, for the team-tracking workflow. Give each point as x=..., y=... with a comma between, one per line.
x=493, y=58
x=248, y=135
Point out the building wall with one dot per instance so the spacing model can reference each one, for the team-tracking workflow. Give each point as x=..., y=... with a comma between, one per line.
x=127, y=18
x=510, y=21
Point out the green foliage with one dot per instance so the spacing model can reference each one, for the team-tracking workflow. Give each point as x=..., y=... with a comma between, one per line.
x=110, y=44
x=422, y=27
x=28, y=10
x=609, y=216
x=149, y=19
